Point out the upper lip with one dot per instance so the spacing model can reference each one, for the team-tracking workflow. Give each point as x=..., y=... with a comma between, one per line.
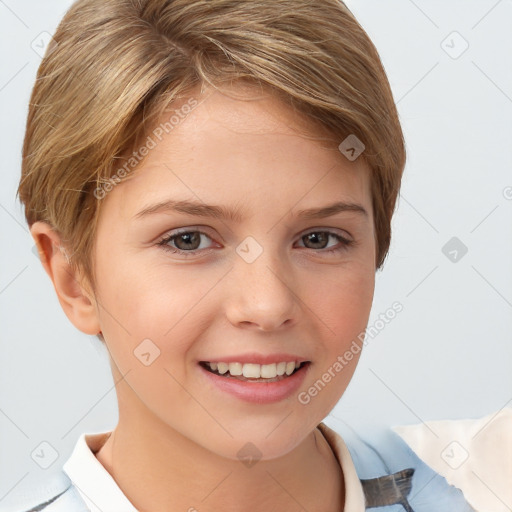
x=258, y=358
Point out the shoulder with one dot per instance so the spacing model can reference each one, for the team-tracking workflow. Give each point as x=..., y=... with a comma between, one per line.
x=392, y=474
x=54, y=493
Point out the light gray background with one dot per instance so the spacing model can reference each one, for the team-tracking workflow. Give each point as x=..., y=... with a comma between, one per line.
x=447, y=355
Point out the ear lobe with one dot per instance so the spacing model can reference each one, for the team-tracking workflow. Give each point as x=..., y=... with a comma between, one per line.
x=74, y=298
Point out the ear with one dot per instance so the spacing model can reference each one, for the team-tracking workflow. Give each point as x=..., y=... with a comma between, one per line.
x=76, y=301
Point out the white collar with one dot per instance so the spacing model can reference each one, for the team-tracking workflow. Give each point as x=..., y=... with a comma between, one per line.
x=354, y=494
x=101, y=493
x=94, y=483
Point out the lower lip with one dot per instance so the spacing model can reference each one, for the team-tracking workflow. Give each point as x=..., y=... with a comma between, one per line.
x=259, y=392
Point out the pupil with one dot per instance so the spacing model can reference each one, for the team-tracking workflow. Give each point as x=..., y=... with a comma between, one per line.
x=190, y=238
x=323, y=238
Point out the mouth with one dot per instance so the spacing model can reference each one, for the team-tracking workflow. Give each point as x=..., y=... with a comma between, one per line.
x=252, y=372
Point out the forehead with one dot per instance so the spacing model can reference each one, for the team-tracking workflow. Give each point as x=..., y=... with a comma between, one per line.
x=239, y=146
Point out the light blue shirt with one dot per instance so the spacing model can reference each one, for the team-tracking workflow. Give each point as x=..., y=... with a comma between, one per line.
x=381, y=475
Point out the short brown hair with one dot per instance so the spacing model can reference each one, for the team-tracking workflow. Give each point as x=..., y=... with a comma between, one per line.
x=115, y=66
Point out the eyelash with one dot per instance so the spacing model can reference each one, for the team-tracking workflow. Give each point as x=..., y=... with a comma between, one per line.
x=163, y=243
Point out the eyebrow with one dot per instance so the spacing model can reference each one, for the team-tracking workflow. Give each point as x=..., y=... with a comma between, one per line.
x=219, y=212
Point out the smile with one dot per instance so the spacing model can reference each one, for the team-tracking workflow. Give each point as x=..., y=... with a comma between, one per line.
x=254, y=372
x=253, y=382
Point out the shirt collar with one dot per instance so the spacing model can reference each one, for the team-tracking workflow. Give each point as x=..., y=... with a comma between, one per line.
x=101, y=493
x=354, y=494
x=94, y=483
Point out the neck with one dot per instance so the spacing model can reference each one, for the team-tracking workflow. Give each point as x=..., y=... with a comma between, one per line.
x=167, y=471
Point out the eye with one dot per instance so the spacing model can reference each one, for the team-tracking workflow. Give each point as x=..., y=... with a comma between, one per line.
x=319, y=239
x=186, y=242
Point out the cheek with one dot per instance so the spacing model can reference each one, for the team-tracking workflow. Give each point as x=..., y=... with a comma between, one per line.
x=342, y=301
x=342, y=308
x=157, y=303
x=144, y=299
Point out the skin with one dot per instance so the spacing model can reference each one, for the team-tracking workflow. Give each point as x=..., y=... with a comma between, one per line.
x=176, y=443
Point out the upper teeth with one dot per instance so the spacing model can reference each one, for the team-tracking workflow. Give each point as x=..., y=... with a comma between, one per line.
x=255, y=371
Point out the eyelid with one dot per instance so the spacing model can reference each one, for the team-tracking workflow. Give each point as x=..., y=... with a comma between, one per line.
x=200, y=229
x=186, y=229
x=334, y=231
x=179, y=231
x=346, y=242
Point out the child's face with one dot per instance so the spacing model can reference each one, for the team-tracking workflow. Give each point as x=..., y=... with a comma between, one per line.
x=250, y=286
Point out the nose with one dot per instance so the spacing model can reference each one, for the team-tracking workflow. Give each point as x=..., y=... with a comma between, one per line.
x=261, y=294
